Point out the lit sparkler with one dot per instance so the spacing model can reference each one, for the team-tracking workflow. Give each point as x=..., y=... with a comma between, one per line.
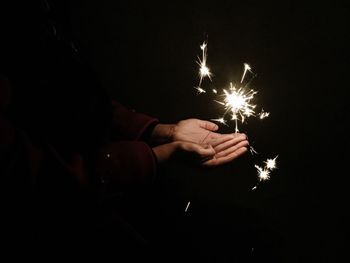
x=238, y=102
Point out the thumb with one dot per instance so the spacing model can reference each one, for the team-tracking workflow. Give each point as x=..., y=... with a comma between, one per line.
x=208, y=125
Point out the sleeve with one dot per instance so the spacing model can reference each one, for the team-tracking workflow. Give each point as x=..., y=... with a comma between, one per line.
x=125, y=164
x=130, y=125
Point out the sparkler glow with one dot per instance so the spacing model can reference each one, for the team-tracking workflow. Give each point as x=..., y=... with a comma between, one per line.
x=238, y=102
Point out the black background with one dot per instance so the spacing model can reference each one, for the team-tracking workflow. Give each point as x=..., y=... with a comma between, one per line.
x=145, y=55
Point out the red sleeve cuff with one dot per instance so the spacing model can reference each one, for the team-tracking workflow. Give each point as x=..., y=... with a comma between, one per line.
x=128, y=124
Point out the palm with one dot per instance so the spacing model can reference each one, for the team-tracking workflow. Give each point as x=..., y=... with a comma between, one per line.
x=196, y=131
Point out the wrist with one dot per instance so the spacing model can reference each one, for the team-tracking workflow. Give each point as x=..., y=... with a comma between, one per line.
x=164, y=152
x=163, y=133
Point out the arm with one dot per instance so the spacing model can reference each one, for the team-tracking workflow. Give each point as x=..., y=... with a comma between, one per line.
x=128, y=124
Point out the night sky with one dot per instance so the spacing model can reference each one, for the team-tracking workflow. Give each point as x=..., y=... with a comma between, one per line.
x=145, y=55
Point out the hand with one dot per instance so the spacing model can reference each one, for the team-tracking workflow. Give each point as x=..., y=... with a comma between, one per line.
x=226, y=149
x=184, y=150
x=190, y=130
x=197, y=131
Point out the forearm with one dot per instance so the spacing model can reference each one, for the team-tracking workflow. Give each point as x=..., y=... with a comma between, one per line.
x=128, y=124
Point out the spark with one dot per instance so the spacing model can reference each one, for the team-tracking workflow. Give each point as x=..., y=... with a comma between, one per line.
x=221, y=120
x=246, y=67
x=252, y=150
x=200, y=90
x=263, y=114
x=271, y=163
x=187, y=206
x=215, y=91
x=263, y=173
x=204, y=71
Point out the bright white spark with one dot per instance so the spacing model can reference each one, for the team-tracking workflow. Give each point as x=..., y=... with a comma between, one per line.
x=187, y=206
x=263, y=173
x=246, y=67
x=215, y=91
x=204, y=71
x=263, y=114
x=221, y=120
x=271, y=163
x=200, y=90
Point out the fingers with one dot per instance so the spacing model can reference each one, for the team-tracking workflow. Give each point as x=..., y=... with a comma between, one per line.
x=202, y=151
x=206, y=151
x=215, y=139
x=208, y=125
x=226, y=159
x=229, y=142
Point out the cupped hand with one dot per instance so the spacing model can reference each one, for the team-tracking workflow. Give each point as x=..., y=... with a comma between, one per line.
x=228, y=149
x=225, y=150
x=183, y=150
x=197, y=131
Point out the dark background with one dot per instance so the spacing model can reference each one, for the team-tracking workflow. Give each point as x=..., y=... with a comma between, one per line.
x=144, y=54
